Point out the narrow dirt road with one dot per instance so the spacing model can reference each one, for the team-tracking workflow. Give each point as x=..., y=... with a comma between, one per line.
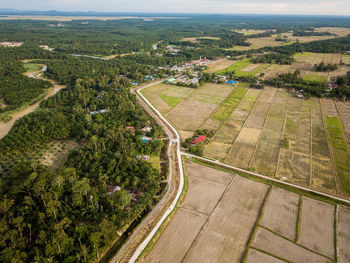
x=5, y=127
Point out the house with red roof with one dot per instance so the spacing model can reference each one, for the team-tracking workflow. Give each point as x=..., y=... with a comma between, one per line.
x=199, y=138
x=130, y=129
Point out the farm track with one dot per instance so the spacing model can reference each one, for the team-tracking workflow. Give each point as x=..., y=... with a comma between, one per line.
x=5, y=127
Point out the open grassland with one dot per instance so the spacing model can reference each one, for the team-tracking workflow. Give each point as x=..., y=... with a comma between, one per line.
x=227, y=218
x=339, y=31
x=32, y=67
x=165, y=97
x=261, y=42
x=197, y=39
x=315, y=77
x=346, y=59
x=249, y=32
x=219, y=65
x=244, y=68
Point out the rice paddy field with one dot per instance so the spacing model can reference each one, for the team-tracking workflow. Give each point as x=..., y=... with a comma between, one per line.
x=249, y=126
x=244, y=68
x=227, y=218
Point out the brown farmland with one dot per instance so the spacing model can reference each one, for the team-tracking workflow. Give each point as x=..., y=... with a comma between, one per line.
x=317, y=226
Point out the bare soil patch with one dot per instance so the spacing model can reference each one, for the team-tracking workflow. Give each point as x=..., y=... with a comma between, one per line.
x=177, y=237
x=255, y=256
x=219, y=65
x=317, y=226
x=190, y=114
x=283, y=248
x=344, y=235
x=200, y=201
x=225, y=235
x=197, y=170
x=281, y=213
x=217, y=150
x=251, y=67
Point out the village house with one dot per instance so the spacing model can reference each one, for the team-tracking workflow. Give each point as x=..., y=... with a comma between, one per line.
x=143, y=157
x=134, y=195
x=100, y=111
x=147, y=128
x=130, y=129
x=199, y=138
x=112, y=189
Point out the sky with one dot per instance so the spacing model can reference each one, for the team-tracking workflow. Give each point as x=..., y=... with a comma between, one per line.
x=316, y=7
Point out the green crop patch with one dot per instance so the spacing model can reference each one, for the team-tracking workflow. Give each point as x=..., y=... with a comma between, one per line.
x=226, y=108
x=341, y=154
x=171, y=101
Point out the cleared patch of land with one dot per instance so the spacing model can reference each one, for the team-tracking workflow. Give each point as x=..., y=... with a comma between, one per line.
x=197, y=39
x=283, y=248
x=344, y=234
x=244, y=68
x=219, y=65
x=281, y=213
x=339, y=31
x=249, y=32
x=317, y=226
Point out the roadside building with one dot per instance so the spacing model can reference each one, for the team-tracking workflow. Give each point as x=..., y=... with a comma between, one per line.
x=199, y=138
x=143, y=157
x=147, y=129
x=130, y=129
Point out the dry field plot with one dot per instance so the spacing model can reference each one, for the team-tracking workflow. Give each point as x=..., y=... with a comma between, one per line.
x=276, y=245
x=339, y=31
x=215, y=231
x=221, y=210
x=344, y=235
x=224, y=237
x=219, y=65
x=187, y=109
x=255, y=256
x=281, y=213
x=318, y=236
